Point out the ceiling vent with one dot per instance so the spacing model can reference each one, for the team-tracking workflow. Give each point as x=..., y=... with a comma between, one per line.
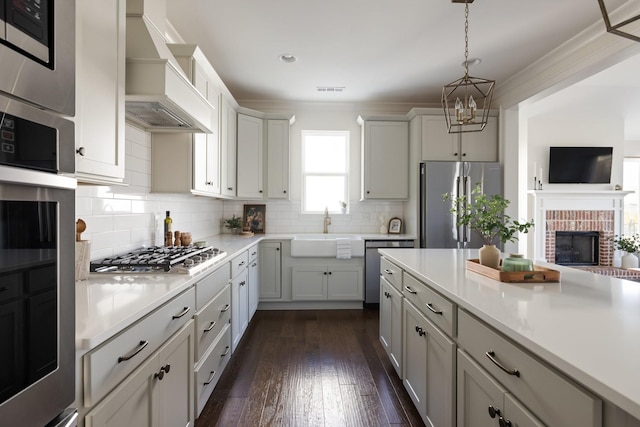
x=330, y=88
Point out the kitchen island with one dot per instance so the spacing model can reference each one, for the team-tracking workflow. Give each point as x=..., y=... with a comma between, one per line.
x=585, y=327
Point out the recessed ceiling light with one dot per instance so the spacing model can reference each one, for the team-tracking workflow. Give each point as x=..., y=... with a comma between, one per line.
x=471, y=61
x=288, y=58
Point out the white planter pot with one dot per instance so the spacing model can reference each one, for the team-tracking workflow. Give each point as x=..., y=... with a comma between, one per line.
x=629, y=261
x=489, y=256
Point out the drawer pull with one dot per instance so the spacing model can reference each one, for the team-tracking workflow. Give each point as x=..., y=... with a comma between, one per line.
x=387, y=294
x=253, y=253
x=492, y=356
x=386, y=270
x=433, y=310
x=243, y=283
x=241, y=264
x=226, y=351
x=411, y=291
x=226, y=308
x=420, y=331
x=213, y=374
x=255, y=264
x=4, y=288
x=159, y=375
x=182, y=313
x=133, y=352
x=210, y=327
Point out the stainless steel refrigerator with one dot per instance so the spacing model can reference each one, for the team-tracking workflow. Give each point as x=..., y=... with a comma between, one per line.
x=437, y=225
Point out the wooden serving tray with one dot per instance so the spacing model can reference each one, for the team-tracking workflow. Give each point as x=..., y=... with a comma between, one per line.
x=538, y=275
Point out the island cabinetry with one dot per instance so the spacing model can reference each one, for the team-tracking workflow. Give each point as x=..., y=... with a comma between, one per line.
x=239, y=297
x=554, y=399
x=391, y=323
x=385, y=159
x=391, y=272
x=429, y=361
x=270, y=259
x=250, y=161
x=254, y=280
x=328, y=282
x=438, y=144
x=435, y=307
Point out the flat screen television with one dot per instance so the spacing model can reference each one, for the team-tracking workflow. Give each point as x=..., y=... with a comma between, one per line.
x=580, y=165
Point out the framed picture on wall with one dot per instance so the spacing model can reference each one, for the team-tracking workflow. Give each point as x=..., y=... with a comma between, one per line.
x=395, y=226
x=253, y=218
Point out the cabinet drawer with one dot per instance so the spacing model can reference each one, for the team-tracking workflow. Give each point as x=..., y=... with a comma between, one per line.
x=209, y=370
x=555, y=400
x=211, y=319
x=107, y=365
x=239, y=263
x=391, y=272
x=211, y=285
x=434, y=306
x=253, y=252
x=10, y=286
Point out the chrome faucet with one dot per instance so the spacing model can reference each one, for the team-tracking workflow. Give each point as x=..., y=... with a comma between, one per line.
x=327, y=221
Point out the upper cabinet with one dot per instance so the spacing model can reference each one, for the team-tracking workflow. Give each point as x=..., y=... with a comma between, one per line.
x=385, y=159
x=438, y=144
x=100, y=91
x=250, y=179
x=278, y=159
x=228, y=147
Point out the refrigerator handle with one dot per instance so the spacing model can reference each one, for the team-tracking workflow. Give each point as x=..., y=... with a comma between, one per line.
x=454, y=228
x=467, y=193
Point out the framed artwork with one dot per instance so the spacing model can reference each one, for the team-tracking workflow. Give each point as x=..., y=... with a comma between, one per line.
x=253, y=218
x=395, y=226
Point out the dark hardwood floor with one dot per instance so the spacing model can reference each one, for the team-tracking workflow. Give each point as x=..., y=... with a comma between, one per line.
x=310, y=368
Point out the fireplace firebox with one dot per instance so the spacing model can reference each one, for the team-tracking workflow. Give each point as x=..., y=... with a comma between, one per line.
x=577, y=247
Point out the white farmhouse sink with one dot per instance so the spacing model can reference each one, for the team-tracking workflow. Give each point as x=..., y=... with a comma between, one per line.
x=324, y=245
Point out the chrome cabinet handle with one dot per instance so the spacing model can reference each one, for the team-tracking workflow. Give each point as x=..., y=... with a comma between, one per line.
x=226, y=351
x=492, y=356
x=386, y=270
x=433, y=310
x=213, y=374
x=226, y=308
x=210, y=327
x=133, y=352
x=411, y=291
x=182, y=313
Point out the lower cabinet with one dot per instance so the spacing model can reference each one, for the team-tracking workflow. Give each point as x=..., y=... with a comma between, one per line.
x=429, y=358
x=158, y=393
x=270, y=260
x=210, y=368
x=239, y=298
x=254, y=281
x=327, y=283
x=483, y=402
x=391, y=323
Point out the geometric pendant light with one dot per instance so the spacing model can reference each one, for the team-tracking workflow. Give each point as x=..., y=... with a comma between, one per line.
x=621, y=28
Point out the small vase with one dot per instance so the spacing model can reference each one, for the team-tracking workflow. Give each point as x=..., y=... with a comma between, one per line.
x=489, y=256
x=383, y=229
x=629, y=260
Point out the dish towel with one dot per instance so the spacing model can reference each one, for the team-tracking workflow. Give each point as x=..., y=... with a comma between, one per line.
x=343, y=248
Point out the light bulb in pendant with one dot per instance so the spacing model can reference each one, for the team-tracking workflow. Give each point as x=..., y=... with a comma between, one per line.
x=459, y=110
x=472, y=108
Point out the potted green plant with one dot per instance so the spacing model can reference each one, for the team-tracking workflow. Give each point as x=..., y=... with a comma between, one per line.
x=485, y=216
x=233, y=224
x=631, y=245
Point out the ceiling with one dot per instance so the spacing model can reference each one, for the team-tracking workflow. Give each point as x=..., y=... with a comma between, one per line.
x=400, y=51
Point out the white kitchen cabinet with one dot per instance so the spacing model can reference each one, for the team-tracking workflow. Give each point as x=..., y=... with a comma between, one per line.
x=100, y=91
x=159, y=393
x=339, y=283
x=239, y=298
x=254, y=280
x=270, y=261
x=228, y=146
x=250, y=160
x=438, y=144
x=278, y=159
x=391, y=302
x=385, y=160
x=429, y=360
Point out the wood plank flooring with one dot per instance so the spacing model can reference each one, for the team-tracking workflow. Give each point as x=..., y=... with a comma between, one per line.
x=310, y=368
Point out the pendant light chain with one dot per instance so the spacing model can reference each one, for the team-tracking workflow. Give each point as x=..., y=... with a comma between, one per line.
x=466, y=39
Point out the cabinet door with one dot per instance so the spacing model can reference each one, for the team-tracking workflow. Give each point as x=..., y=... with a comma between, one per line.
x=344, y=283
x=249, y=174
x=479, y=395
x=174, y=402
x=254, y=287
x=385, y=160
x=278, y=159
x=481, y=146
x=309, y=283
x=429, y=368
x=12, y=350
x=228, y=143
x=269, y=258
x=200, y=143
x=239, y=307
x=100, y=81
x=517, y=415
x=437, y=143
x=391, y=323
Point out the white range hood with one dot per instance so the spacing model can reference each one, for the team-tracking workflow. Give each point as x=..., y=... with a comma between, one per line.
x=159, y=96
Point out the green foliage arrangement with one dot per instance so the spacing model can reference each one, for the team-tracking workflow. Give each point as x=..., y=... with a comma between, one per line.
x=486, y=216
x=233, y=222
x=630, y=244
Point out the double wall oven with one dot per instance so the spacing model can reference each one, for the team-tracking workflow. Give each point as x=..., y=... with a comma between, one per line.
x=37, y=210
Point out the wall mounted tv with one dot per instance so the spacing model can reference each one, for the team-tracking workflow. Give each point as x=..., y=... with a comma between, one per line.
x=580, y=165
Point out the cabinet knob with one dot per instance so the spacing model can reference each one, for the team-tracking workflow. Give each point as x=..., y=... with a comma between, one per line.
x=504, y=423
x=81, y=151
x=455, y=154
x=284, y=191
x=464, y=154
x=277, y=249
x=493, y=411
x=259, y=191
x=230, y=188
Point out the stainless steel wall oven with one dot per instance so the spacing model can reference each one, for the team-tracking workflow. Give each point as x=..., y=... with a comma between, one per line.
x=37, y=286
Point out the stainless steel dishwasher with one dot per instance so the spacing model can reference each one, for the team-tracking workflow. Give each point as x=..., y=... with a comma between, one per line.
x=372, y=267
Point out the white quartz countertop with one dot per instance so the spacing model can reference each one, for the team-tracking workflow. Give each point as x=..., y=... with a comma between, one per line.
x=587, y=325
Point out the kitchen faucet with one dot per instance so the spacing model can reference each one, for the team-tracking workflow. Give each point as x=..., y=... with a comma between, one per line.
x=327, y=221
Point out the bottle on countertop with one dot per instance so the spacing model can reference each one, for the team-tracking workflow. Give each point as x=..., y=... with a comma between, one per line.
x=167, y=230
